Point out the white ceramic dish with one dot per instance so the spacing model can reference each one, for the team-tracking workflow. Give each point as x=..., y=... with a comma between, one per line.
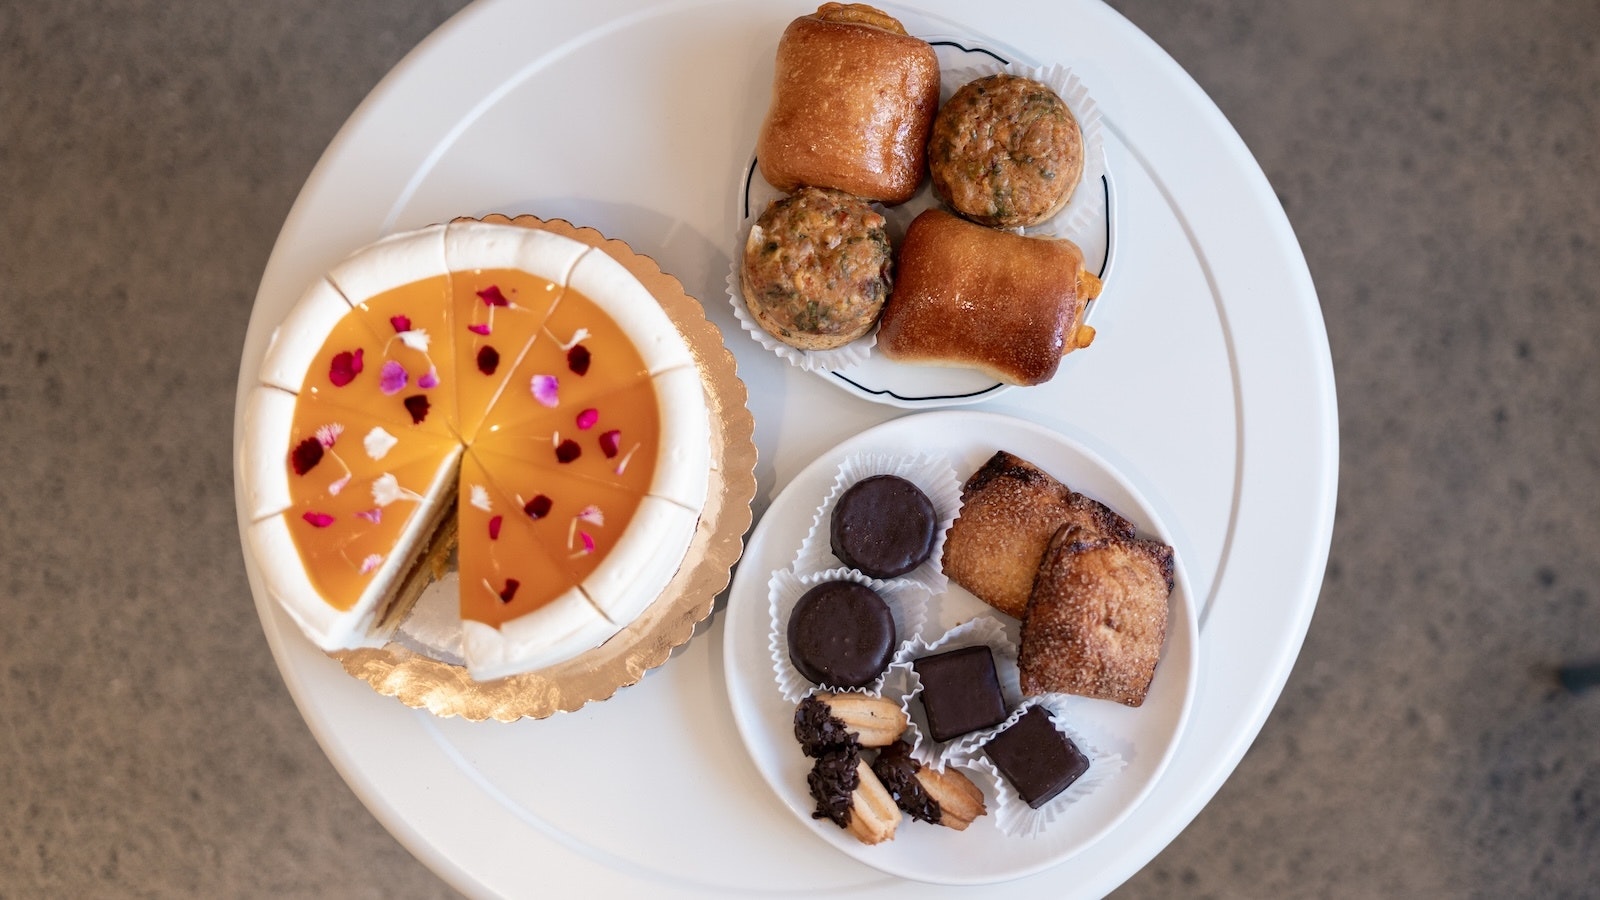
x=1210, y=384
x=1145, y=737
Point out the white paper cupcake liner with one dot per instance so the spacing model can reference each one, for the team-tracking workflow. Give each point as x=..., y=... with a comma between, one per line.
x=851, y=354
x=1012, y=815
x=933, y=475
x=907, y=601
x=1084, y=215
x=985, y=631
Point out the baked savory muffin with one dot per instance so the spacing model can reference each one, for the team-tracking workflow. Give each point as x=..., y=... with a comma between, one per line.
x=973, y=297
x=1005, y=151
x=816, y=269
x=1097, y=617
x=853, y=99
x=1010, y=508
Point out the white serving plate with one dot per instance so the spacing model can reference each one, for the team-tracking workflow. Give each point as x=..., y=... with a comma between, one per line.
x=1144, y=737
x=1210, y=385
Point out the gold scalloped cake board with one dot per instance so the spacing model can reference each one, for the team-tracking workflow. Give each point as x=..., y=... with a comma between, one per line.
x=446, y=690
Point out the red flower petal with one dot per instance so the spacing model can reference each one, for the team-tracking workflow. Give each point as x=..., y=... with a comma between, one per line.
x=494, y=528
x=488, y=360
x=609, y=442
x=417, y=405
x=511, y=590
x=578, y=359
x=400, y=323
x=306, y=455
x=318, y=520
x=568, y=451
x=479, y=328
x=587, y=418
x=491, y=296
x=538, y=507
x=345, y=367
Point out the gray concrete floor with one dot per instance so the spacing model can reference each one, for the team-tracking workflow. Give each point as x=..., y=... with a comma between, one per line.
x=1439, y=162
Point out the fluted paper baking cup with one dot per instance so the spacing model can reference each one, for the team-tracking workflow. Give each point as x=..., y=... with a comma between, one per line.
x=933, y=475
x=1012, y=815
x=1085, y=214
x=907, y=601
x=983, y=631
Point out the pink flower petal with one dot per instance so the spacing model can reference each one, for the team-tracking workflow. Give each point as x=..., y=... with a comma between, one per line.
x=546, y=390
x=400, y=323
x=373, y=515
x=494, y=528
x=609, y=442
x=588, y=541
x=587, y=418
x=491, y=296
x=318, y=520
x=430, y=380
x=345, y=367
x=479, y=328
x=372, y=561
x=329, y=433
x=392, y=378
x=593, y=516
x=337, y=486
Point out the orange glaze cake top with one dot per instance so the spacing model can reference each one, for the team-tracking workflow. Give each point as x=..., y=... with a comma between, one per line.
x=519, y=381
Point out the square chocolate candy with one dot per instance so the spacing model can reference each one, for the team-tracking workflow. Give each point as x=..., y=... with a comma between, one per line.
x=1038, y=760
x=960, y=692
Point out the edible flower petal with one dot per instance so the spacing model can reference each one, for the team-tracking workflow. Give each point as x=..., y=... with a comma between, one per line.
x=593, y=515
x=318, y=520
x=329, y=433
x=386, y=490
x=479, y=328
x=609, y=442
x=578, y=360
x=538, y=507
x=337, y=486
x=488, y=359
x=401, y=323
x=417, y=405
x=415, y=338
x=373, y=515
x=480, y=498
x=491, y=296
x=372, y=561
x=392, y=378
x=494, y=528
x=587, y=418
x=345, y=367
x=510, y=590
x=305, y=455
x=567, y=451
x=546, y=389
x=379, y=442
x=430, y=379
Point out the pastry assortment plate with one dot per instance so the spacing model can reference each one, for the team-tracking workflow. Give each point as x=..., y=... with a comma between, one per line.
x=1144, y=737
x=1209, y=388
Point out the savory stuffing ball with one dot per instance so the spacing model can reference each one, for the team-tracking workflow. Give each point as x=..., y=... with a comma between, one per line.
x=1005, y=151
x=816, y=268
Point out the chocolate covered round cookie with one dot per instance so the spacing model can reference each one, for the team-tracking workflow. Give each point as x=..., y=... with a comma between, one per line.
x=842, y=634
x=883, y=526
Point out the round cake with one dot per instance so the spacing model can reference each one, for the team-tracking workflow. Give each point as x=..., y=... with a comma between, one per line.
x=501, y=394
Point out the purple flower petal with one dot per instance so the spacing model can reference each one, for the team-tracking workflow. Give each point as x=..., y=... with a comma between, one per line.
x=546, y=390
x=430, y=380
x=587, y=418
x=392, y=378
x=373, y=515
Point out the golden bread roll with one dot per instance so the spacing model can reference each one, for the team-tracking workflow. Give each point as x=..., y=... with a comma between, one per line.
x=853, y=100
x=974, y=297
x=1097, y=617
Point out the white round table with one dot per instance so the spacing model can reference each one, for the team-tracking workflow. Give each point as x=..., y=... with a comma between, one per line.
x=1209, y=387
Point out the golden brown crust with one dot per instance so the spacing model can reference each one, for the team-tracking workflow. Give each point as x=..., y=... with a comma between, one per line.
x=1097, y=617
x=975, y=297
x=1010, y=509
x=852, y=104
x=1005, y=151
x=859, y=14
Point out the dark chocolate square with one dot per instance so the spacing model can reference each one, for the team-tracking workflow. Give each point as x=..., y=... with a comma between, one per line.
x=1038, y=760
x=960, y=692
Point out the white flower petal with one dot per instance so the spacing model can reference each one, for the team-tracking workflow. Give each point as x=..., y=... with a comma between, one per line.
x=379, y=442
